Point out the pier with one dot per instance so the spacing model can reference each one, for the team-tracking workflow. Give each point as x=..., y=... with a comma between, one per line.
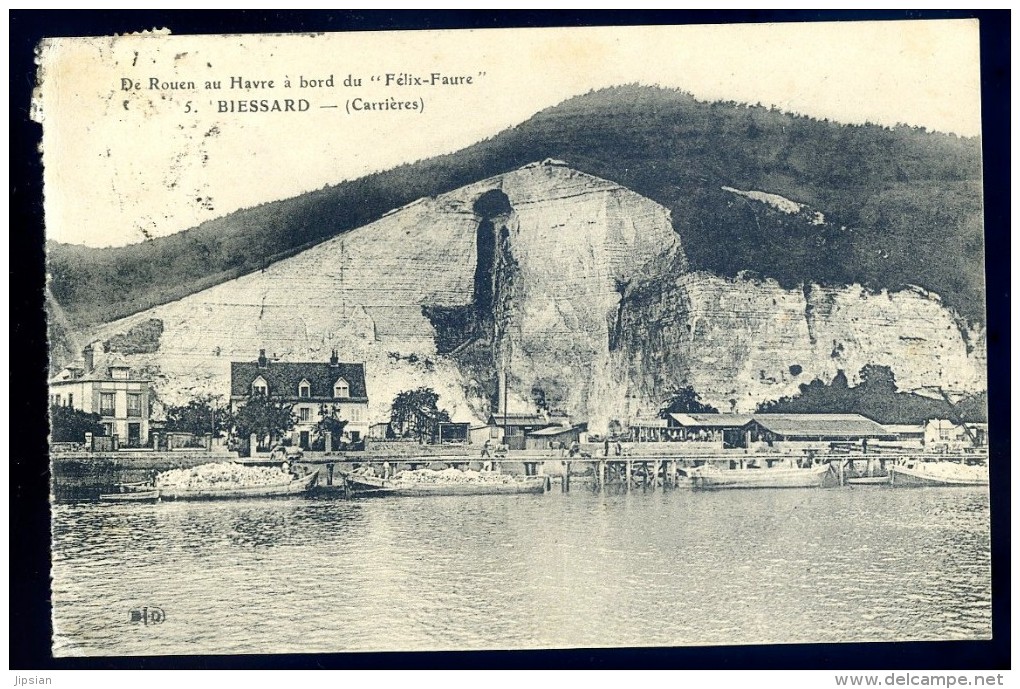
x=644, y=473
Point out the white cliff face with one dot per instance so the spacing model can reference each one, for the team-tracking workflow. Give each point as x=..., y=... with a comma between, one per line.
x=576, y=242
x=570, y=248
x=739, y=342
x=361, y=293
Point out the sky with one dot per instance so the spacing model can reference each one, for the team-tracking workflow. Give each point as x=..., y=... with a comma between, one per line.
x=125, y=161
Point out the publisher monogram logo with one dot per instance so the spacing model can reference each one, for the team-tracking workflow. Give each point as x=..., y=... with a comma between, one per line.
x=148, y=615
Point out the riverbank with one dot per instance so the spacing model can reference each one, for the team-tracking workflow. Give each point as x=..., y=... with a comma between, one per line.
x=86, y=475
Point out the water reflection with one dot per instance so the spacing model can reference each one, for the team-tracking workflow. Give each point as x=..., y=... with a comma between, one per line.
x=581, y=569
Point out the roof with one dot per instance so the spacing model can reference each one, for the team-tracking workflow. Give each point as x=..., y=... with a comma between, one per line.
x=551, y=431
x=283, y=377
x=712, y=420
x=75, y=372
x=520, y=419
x=655, y=422
x=901, y=428
x=821, y=425
x=952, y=424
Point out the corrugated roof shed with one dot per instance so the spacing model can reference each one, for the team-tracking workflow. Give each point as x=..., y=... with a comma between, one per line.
x=711, y=420
x=513, y=419
x=551, y=431
x=648, y=422
x=821, y=425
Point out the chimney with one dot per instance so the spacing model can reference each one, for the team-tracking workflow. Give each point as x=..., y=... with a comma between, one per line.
x=263, y=362
x=90, y=361
x=334, y=361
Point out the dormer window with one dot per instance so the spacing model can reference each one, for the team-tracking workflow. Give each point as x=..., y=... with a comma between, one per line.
x=304, y=389
x=341, y=388
x=259, y=386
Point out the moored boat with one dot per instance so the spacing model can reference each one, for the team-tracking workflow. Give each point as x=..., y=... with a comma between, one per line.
x=296, y=486
x=868, y=480
x=708, y=477
x=474, y=483
x=131, y=496
x=938, y=473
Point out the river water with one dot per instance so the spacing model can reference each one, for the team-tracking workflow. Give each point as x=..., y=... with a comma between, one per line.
x=675, y=568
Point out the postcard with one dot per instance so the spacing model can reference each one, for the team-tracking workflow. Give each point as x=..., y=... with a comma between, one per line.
x=651, y=336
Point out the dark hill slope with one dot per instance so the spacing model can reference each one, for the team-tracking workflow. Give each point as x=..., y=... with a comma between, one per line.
x=902, y=205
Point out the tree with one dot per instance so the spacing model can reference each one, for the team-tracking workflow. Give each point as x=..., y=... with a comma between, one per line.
x=685, y=401
x=69, y=425
x=416, y=413
x=265, y=416
x=874, y=397
x=878, y=379
x=199, y=416
x=330, y=422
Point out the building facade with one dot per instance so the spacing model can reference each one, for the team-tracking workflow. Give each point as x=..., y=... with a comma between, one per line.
x=111, y=389
x=312, y=387
x=511, y=429
x=943, y=434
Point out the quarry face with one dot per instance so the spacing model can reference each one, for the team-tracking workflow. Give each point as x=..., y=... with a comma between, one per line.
x=574, y=287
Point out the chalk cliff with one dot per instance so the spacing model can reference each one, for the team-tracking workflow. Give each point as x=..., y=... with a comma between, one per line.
x=576, y=287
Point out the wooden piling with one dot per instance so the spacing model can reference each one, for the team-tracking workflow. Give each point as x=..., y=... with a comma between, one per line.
x=644, y=481
x=630, y=473
x=566, y=477
x=602, y=474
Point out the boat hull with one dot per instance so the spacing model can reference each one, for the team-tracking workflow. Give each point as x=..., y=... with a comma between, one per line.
x=759, y=478
x=133, y=496
x=868, y=481
x=369, y=485
x=911, y=477
x=298, y=486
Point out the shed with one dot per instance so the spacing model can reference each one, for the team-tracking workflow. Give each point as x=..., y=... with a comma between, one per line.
x=453, y=432
x=540, y=439
x=728, y=428
x=480, y=433
x=518, y=426
x=815, y=427
x=645, y=430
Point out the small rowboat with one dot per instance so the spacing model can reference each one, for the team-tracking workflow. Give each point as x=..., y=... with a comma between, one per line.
x=131, y=496
x=868, y=481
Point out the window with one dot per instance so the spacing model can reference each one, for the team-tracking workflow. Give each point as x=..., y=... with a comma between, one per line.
x=119, y=373
x=106, y=404
x=134, y=405
x=259, y=386
x=70, y=399
x=108, y=430
x=341, y=388
x=306, y=414
x=304, y=389
x=355, y=413
x=57, y=400
x=494, y=432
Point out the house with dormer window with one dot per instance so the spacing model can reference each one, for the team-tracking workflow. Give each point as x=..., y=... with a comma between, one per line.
x=309, y=386
x=107, y=385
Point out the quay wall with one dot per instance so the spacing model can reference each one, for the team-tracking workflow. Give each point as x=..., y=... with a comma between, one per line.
x=86, y=475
